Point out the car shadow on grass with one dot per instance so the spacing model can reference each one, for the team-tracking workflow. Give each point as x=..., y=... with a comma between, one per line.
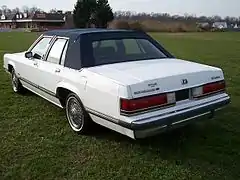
x=201, y=147
x=170, y=139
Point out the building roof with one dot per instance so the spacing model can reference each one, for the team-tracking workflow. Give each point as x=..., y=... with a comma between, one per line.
x=48, y=16
x=7, y=17
x=37, y=16
x=220, y=23
x=10, y=16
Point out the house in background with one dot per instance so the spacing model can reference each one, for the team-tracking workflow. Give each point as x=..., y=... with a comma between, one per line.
x=37, y=20
x=205, y=26
x=236, y=26
x=7, y=21
x=220, y=25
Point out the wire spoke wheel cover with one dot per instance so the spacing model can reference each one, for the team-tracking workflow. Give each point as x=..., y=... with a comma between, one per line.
x=75, y=113
x=15, y=82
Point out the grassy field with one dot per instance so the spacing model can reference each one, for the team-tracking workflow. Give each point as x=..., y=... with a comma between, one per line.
x=37, y=143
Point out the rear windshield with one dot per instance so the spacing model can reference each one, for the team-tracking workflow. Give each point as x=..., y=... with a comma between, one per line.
x=124, y=50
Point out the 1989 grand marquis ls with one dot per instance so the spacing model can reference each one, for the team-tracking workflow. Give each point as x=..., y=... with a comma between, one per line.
x=123, y=80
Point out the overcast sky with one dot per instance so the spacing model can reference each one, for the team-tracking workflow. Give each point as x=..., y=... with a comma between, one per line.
x=197, y=7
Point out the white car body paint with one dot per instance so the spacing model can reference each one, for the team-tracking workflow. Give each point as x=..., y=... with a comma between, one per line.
x=100, y=88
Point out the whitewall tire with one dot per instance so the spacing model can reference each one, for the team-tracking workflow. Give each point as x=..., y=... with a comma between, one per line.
x=77, y=116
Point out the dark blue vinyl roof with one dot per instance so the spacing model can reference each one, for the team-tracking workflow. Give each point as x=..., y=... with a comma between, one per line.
x=79, y=51
x=74, y=33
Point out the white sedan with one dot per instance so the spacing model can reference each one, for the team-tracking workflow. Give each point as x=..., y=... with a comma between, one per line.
x=123, y=80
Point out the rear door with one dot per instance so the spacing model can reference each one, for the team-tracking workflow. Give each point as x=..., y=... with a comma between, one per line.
x=52, y=68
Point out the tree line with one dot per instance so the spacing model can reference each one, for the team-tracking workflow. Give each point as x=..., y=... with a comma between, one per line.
x=5, y=10
x=98, y=13
x=129, y=15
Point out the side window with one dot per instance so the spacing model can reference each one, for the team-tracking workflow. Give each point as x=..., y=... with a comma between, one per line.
x=56, y=51
x=41, y=47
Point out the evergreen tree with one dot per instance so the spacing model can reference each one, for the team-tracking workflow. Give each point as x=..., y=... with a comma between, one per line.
x=82, y=12
x=103, y=13
x=88, y=12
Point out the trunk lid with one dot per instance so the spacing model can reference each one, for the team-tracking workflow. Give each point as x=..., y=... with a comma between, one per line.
x=159, y=75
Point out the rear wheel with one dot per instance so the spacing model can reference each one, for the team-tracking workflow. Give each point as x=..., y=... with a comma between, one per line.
x=77, y=116
x=16, y=84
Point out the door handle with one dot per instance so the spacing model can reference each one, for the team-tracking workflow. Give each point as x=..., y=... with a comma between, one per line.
x=35, y=63
x=57, y=70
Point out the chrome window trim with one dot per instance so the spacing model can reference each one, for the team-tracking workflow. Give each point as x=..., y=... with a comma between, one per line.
x=55, y=38
x=37, y=41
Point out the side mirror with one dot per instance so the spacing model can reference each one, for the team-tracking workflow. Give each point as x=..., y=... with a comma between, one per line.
x=28, y=55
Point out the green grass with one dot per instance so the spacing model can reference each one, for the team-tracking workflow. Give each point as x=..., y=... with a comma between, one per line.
x=37, y=143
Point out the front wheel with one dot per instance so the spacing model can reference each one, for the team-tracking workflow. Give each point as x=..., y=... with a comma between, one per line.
x=16, y=84
x=77, y=116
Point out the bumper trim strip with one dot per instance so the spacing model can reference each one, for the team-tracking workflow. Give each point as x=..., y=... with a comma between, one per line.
x=181, y=116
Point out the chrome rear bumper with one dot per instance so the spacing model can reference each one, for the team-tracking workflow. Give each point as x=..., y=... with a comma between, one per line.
x=151, y=124
x=155, y=125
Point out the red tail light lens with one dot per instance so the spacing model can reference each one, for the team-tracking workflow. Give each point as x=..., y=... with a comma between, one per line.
x=213, y=87
x=140, y=104
x=208, y=89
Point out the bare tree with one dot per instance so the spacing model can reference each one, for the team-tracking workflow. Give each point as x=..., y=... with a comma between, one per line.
x=4, y=9
x=25, y=9
x=16, y=10
x=53, y=10
x=8, y=11
x=34, y=9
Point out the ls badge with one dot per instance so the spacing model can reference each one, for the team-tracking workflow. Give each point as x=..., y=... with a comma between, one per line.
x=184, y=81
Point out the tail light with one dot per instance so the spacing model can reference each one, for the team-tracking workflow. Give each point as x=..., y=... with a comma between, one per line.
x=130, y=106
x=208, y=89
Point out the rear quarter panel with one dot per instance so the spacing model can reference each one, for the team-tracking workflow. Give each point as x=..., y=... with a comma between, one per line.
x=102, y=95
x=97, y=93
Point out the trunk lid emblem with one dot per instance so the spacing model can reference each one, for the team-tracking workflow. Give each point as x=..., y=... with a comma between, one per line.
x=184, y=81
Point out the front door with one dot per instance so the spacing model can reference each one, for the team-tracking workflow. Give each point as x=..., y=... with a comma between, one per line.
x=28, y=72
x=52, y=68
